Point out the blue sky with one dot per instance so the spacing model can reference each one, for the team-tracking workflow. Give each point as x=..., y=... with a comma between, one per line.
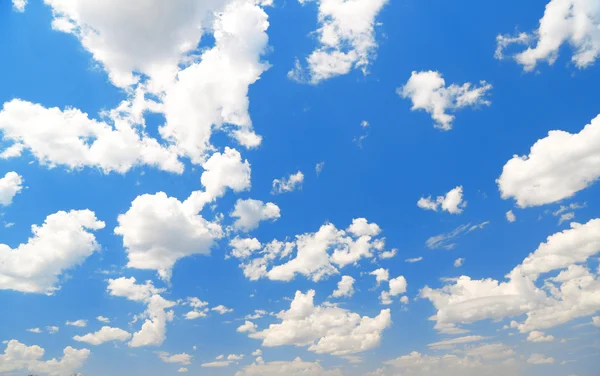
x=203, y=175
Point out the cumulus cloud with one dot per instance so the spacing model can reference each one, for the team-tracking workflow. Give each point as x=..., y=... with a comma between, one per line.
x=510, y=216
x=345, y=287
x=154, y=329
x=452, y=202
x=573, y=292
x=182, y=358
x=70, y=138
x=78, y=323
x=575, y=22
x=541, y=178
x=537, y=336
x=381, y=275
x=221, y=309
x=19, y=5
x=10, y=185
x=288, y=184
x=158, y=230
x=297, y=367
x=250, y=213
x=540, y=359
x=346, y=40
x=428, y=92
x=316, y=254
x=106, y=334
x=20, y=357
x=324, y=329
x=103, y=319
x=62, y=242
x=247, y=327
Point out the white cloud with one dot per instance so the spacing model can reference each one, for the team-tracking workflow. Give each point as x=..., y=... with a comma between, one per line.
x=70, y=138
x=324, y=329
x=428, y=92
x=397, y=286
x=297, y=367
x=247, y=327
x=143, y=37
x=78, y=323
x=19, y=5
x=346, y=39
x=35, y=330
x=459, y=262
x=250, y=213
x=19, y=357
x=510, y=216
x=540, y=359
x=452, y=202
x=448, y=343
x=156, y=316
x=10, y=185
x=103, y=319
x=319, y=168
x=221, y=363
x=316, y=253
x=537, y=336
x=596, y=321
x=221, y=309
x=573, y=292
x=388, y=254
x=289, y=184
x=52, y=329
x=565, y=21
x=446, y=241
x=413, y=260
x=61, y=243
x=106, y=334
x=540, y=178
x=182, y=370
x=381, y=275
x=182, y=358
x=345, y=287
x=243, y=248
x=258, y=352
x=158, y=230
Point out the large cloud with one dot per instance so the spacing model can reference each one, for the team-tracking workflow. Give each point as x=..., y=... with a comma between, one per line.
x=61, y=243
x=557, y=167
x=346, y=39
x=565, y=21
x=20, y=357
x=324, y=329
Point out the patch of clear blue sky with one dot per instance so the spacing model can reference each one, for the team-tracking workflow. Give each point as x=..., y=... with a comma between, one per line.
x=402, y=159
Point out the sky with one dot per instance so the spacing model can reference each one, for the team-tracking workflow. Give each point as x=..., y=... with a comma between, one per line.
x=311, y=187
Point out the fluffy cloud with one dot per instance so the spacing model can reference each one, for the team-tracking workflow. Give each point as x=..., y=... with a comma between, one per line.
x=78, y=323
x=247, y=327
x=537, y=336
x=510, y=216
x=103, y=319
x=539, y=359
x=214, y=92
x=70, y=138
x=381, y=275
x=316, y=253
x=428, y=92
x=10, y=185
x=324, y=329
x=297, y=367
x=19, y=357
x=221, y=309
x=175, y=358
x=19, y=5
x=345, y=287
x=452, y=202
x=250, y=213
x=106, y=334
x=574, y=292
x=288, y=184
x=565, y=21
x=346, y=39
x=62, y=242
x=156, y=316
x=397, y=286
x=540, y=178
x=149, y=38
x=158, y=230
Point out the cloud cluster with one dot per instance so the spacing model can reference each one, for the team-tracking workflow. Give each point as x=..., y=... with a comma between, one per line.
x=20, y=357
x=452, y=202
